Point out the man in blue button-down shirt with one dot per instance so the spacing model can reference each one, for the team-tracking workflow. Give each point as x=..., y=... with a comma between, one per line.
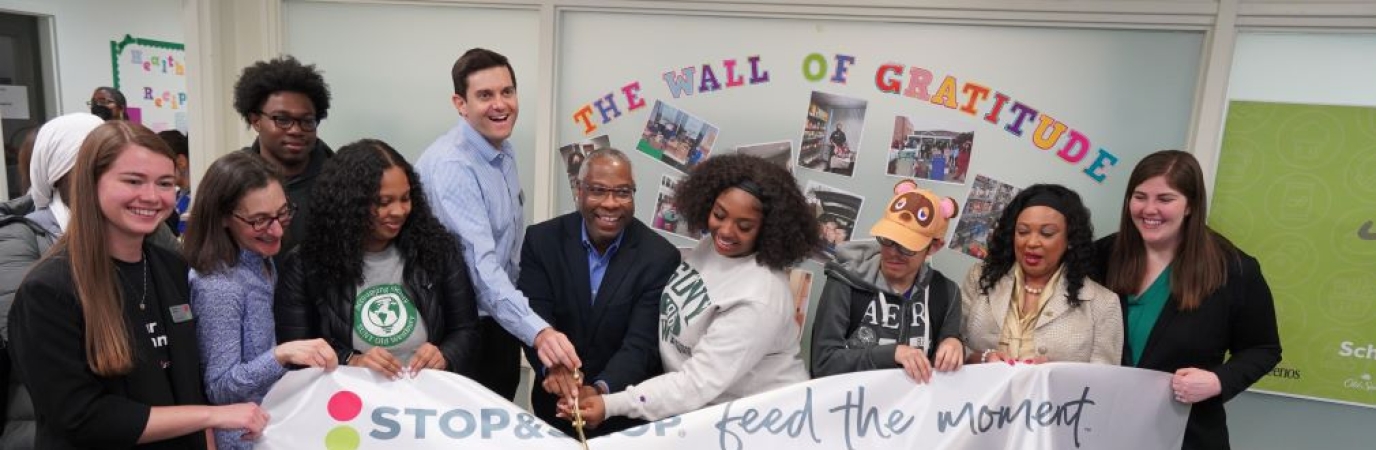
x=469, y=174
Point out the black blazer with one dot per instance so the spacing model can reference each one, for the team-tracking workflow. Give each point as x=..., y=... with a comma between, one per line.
x=615, y=335
x=306, y=308
x=77, y=408
x=1239, y=318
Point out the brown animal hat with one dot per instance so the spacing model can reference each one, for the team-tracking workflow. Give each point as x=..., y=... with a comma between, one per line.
x=915, y=216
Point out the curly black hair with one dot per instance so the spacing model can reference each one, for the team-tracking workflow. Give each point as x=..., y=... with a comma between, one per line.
x=1079, y=253
x=264, y=78
x=788, y=231
x=342, y=207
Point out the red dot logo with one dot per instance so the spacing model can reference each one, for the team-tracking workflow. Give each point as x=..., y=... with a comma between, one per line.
x=343, y=406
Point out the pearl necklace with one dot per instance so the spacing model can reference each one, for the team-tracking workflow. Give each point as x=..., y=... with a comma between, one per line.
x=1034, y=291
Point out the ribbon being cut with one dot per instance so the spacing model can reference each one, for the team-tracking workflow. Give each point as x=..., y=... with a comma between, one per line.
x=1052, y=406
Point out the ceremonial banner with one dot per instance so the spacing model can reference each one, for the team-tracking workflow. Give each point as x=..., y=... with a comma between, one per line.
x=1050, y=406
x=1296, y=188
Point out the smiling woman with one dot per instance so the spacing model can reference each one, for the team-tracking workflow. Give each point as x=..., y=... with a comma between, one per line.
x=727, y=325
x=107, y=294
x=377, y=276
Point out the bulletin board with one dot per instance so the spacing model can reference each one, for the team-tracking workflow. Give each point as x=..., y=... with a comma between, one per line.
x=152, y=76
x=1295, y=190
x=972, y=112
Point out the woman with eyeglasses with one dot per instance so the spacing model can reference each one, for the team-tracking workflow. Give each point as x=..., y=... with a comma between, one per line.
x=108, y=103
x=101, y=329
x=237, y=229
x=884, y=306
x=726, y=317
x=377, y=276
x=1032, y=300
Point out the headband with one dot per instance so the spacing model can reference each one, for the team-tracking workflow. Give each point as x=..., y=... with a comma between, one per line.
x=1049, y=200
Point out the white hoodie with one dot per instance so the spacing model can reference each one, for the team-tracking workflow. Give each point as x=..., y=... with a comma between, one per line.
x=726, y=331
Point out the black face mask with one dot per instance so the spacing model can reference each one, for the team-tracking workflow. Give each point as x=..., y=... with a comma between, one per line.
x=103, y=112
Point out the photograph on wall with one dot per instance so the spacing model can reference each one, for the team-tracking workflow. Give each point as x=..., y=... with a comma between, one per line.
x=988, y=197
x=676, y=138
x=836, y=211
x=574, y=154
x=800, y=285
x=780, y=153
x=666, y=217
x=930, y=153
x=831, y=136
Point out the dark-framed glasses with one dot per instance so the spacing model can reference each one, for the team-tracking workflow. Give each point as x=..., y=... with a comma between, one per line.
x=597, y=193
x=286, y=122
x=105, y=103
x=262, y=221
x=896, y=246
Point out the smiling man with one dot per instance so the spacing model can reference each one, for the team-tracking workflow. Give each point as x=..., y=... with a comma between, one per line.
x=284, y=101
x=598, y=274
x=469, y=176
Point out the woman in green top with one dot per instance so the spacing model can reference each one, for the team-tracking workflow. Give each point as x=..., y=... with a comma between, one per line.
x=1190, y=296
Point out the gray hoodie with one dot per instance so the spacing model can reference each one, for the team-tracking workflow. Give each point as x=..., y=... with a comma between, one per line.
x=859, y=324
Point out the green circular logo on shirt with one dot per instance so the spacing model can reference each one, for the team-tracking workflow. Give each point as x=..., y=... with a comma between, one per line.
x=384, y=315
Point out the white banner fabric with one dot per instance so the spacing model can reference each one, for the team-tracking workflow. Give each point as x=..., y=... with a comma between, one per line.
x=986, y=406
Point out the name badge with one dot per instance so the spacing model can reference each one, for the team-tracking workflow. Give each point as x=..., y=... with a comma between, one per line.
x=180, y=313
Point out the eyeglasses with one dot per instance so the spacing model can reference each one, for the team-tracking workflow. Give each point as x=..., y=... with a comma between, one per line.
x=105, y=103
x=260, y=223
x=894, y=245
x=286, y=122
x=598, y=193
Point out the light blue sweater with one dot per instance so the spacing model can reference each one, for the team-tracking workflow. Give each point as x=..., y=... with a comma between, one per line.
x=234, y=324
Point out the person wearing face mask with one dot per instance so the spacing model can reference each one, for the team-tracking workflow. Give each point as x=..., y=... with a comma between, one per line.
x=1197, y=306
x=726, y=315
x=597, y=272
x=1032, y=300
x=884, y=306
x=108, y=103
x=284, y=101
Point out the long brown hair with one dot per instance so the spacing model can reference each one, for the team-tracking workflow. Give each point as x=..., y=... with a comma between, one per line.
x=109, y=349
x=1201, y=259
x=208, y=245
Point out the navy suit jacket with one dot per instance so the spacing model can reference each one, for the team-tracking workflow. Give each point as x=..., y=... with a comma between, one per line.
x=614, y=334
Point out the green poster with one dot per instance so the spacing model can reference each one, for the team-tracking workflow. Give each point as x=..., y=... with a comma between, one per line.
x=1296, y=187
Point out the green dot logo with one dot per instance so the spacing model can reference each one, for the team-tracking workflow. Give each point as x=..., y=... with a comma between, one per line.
x=343, y=406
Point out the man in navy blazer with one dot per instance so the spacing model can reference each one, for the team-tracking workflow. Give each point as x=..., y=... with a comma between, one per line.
x=597, y=275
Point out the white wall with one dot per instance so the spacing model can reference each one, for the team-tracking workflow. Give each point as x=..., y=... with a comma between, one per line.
x=1335, y=69
x=83, y=31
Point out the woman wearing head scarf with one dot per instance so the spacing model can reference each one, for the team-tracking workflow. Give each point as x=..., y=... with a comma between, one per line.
x=23, y=239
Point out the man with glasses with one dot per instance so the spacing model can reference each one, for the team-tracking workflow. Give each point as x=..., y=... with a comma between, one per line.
x=884, y=306
x=284, y=101
x=597, y=273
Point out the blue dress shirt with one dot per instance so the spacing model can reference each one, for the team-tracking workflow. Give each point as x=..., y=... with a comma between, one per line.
x=475, y=192
x=597, y=264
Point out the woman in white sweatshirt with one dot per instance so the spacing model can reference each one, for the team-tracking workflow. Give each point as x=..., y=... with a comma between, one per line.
x=726, y=326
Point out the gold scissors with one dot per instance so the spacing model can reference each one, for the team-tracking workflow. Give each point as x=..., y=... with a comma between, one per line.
x=578, y=422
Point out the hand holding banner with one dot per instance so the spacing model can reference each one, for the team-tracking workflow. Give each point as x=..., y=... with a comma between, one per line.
x=1058, y=405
